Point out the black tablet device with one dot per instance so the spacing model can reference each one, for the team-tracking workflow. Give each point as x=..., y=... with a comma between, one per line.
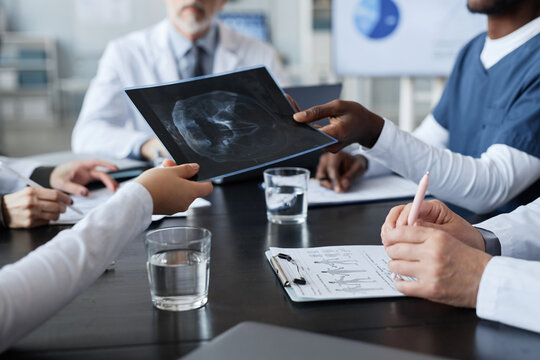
x=227, y=123
x=305, y=97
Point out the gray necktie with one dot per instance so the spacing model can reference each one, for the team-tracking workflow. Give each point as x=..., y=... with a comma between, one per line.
x=195, y=56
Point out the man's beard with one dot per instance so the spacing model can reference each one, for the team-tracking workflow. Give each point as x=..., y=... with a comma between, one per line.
x=497, y=7
x=191, y=25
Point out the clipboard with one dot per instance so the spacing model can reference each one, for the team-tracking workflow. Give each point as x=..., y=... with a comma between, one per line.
x=289, y=290
x=335, y=272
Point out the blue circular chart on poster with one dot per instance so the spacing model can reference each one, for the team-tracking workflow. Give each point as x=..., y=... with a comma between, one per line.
x=376, y=19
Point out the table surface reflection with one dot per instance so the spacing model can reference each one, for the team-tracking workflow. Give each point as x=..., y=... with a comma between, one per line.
x=114, y=317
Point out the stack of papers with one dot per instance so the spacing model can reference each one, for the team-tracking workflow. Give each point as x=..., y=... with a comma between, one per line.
x=389, y=187
x=98, y=197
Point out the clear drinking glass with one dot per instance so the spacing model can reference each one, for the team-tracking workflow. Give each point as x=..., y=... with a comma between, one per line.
x=178, y=264
x=286, y=194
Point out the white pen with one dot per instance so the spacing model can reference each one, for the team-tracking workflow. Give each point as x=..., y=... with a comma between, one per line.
x=417, y=203
x=31, y=183
x=418, y=199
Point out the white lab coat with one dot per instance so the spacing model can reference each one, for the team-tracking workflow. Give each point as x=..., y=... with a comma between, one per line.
x=510, y=288
x=109, y=124
x=40, y=284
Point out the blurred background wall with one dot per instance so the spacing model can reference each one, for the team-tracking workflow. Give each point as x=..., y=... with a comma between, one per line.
x=50, y=51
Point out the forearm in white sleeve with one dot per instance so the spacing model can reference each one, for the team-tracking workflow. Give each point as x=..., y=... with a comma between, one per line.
x=103, y=126
x=37, y=286
x=509, y=291
x=429, y=131
x=93, y=135
x=477, y=184
x=518, y=232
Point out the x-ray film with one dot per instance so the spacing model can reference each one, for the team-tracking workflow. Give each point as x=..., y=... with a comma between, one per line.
x=228, y=123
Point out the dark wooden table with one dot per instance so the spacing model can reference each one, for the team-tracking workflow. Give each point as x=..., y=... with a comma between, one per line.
x=114, y=318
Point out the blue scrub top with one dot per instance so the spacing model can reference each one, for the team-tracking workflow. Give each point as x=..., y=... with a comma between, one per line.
x=500, y=105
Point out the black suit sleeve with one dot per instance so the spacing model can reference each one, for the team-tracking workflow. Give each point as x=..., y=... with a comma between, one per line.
x=42, y=175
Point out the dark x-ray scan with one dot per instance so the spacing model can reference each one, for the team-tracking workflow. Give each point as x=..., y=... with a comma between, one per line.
x=228, y=123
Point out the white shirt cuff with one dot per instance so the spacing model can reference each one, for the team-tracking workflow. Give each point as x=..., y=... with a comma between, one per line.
x=137, y=144
x=385, y=140
x=486, y=300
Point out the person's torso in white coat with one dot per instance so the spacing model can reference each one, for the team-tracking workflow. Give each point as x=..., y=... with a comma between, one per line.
x=109, y=124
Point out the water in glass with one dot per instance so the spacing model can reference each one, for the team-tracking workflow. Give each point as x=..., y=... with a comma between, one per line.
x=178, y=279
x=286, y=204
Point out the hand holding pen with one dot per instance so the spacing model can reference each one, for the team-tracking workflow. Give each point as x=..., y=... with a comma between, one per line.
x=418, y=199
x=36, y=205
x=434, y=214
x=416, y=204
x=34, y=184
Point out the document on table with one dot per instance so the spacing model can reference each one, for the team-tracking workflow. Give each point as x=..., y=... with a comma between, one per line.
x=363, y=190
x=100, y=196
x=337, y=272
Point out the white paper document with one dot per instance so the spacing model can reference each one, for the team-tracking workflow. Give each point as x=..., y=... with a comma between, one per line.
x=100, y=196
x=363, y=190
x=337, y=272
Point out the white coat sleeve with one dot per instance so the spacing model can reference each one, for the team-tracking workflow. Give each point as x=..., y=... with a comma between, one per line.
x=509, y=291
x=102, y=127
x=40, y=284
x=518, y=232
x=477, y=184
x=429, y=131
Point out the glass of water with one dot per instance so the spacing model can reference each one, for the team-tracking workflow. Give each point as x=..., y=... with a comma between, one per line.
x=286, y=194
x=178, y=264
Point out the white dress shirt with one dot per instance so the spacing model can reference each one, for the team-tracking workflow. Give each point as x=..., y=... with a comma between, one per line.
x=509, y=291
x=40, y=284
x=182, y=47
x=109, y=124
x=477, y=184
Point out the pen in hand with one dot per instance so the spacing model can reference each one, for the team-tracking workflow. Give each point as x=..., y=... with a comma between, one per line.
x=417, y=203
x=31, y=183
x=418, y=198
